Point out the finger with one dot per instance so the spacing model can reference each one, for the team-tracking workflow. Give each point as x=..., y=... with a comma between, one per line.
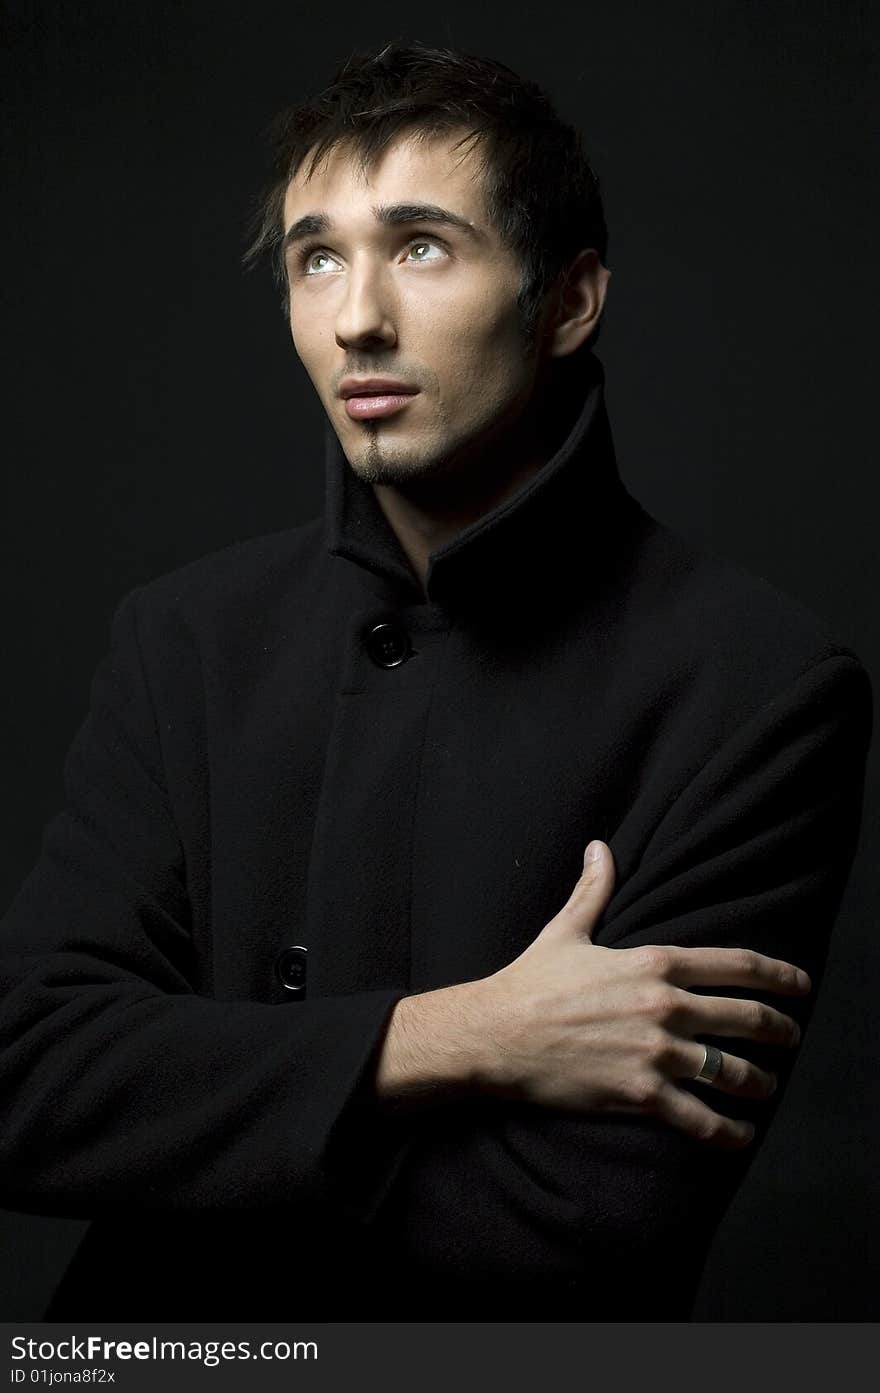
x=733, y=967
x=584, y=907
x=728, y=1015
x=735, y=1075
x=686, y=1112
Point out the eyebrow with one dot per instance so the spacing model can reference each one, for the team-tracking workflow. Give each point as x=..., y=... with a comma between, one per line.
x=389, y=215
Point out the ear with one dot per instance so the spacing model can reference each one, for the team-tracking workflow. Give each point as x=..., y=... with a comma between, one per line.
x=579, y=301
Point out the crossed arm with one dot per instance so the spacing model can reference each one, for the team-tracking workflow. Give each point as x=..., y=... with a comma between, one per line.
x=122, y=1088
x=616, y=1174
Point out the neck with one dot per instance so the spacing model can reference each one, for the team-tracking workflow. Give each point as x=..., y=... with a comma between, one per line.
x=427, y=513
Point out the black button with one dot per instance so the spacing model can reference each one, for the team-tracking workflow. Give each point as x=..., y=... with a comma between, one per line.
x=290, y=969
x=388, y=645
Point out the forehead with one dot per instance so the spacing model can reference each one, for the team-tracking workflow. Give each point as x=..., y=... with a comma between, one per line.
x=409, y=170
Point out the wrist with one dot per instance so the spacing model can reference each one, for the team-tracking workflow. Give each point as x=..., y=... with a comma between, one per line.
x=434, y=1048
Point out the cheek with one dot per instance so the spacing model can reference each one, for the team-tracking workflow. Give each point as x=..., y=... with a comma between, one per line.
x=299, y=341
x=486, y=350
x=467, y=328
x=302, y=332
x=476, y=306
x=310, y=346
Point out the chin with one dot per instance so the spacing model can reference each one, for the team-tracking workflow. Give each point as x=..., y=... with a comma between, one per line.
x=395, y=471
x=375, y=463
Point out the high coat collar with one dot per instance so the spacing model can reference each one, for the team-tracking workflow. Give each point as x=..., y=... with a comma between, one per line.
x=551, y=533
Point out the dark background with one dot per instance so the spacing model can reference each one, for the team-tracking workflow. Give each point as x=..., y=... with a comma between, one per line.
x=157, y=411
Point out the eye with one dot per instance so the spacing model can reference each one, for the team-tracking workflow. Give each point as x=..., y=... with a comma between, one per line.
x=307, y=256
x=312, y=259
x=426, y=242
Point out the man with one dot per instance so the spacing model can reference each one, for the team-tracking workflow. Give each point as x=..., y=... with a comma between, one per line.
x=314, y=1000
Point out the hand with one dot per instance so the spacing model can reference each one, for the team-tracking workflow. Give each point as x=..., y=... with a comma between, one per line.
x=573, y=1025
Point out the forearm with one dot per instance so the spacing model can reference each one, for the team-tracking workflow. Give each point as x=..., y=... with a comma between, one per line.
x=435, y=1049
x=116, y=1095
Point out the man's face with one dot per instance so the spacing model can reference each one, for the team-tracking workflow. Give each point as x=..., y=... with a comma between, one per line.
x=419, y=300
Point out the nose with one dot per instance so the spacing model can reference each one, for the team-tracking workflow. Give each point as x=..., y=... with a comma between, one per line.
x=365, y=316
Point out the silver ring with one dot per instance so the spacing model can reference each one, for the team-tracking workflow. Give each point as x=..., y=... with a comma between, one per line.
x=711, y=1066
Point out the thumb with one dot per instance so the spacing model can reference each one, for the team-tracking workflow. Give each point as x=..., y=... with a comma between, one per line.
x=584, y=907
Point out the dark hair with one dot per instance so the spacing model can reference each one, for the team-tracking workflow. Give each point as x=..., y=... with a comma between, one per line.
x=541, y=193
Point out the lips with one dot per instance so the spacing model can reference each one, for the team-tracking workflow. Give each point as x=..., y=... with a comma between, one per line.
x=369, y=397
x=375, y=387
x=361, y=407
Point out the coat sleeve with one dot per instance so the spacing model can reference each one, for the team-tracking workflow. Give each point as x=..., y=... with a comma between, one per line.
x=120, y=1085
x=754, y=852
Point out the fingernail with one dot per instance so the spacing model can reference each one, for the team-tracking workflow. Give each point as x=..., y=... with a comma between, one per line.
x=803, y=980
x=594, y=852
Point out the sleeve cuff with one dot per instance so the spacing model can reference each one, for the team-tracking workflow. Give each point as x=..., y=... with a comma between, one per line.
x=365, y=1147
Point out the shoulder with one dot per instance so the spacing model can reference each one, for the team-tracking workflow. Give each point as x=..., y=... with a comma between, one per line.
x=244, y=583
x=709, y=634
x=721, y=605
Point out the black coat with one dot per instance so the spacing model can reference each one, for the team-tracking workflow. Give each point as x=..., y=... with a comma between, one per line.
x=258, y=772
